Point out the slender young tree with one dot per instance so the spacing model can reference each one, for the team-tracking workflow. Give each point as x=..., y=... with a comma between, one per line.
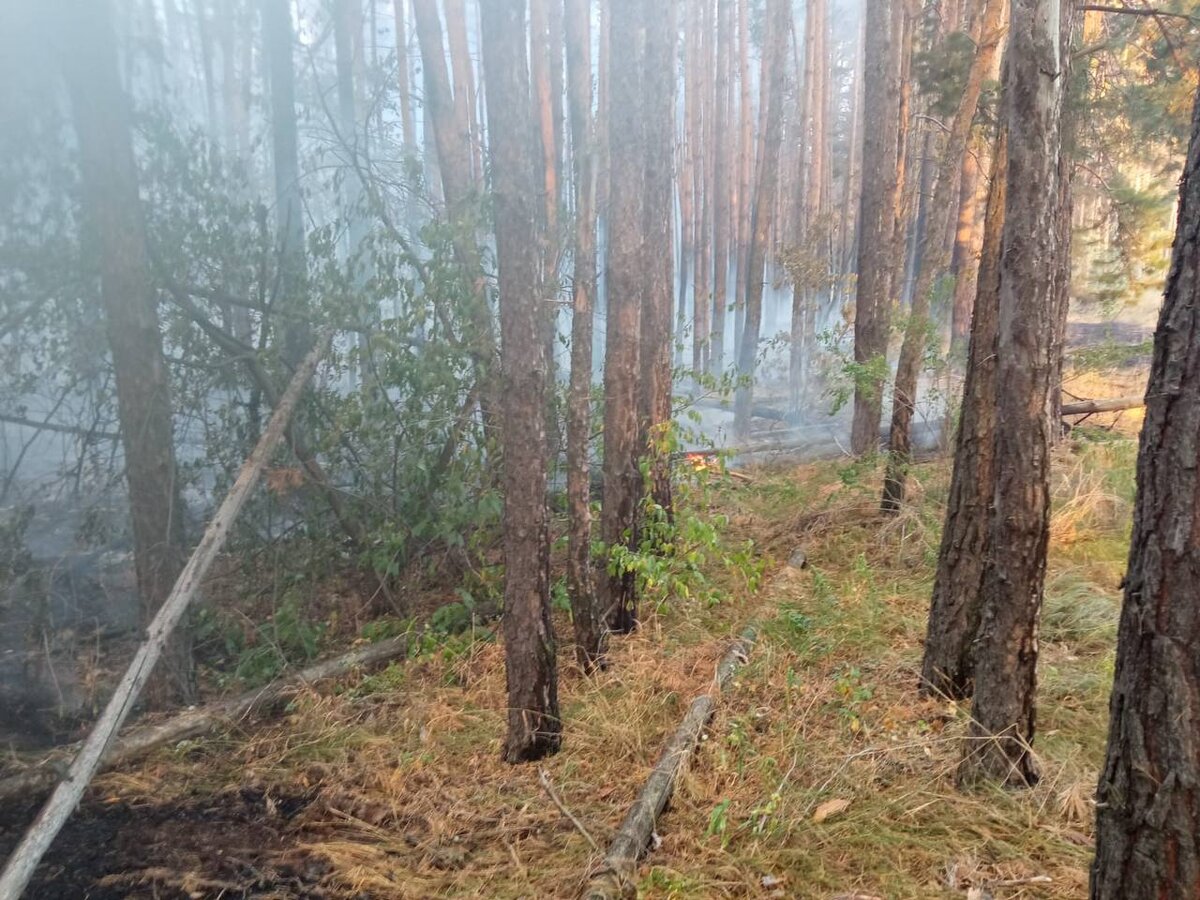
x=116, y=231
x=876, y=219
x=626, y=264
x=1033, y=258
x=534, y=727
x=778, y=27
x=464, y=85
x=947, y=667
x=932, y=255
x=590, y=631
x=745, y=168
x=1147, y=834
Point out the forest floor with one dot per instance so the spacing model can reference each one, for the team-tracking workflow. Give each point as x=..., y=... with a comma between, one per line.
x=823, y=775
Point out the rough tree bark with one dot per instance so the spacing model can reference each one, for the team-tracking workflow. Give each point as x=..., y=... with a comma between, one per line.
x=626, y=263
x=589, y=623
x=876, y=219
x=117, y=233
x=933, y=257
x=534, y=727
x=658, y=98
x=1033, y=253
x=1147, y=840
x=778, y=17
x=947, y=668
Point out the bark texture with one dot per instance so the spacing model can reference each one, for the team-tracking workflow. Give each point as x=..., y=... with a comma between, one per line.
x=534, y=727
x=1033, y=251
x=626, y=263
x=590, y=633
x=946, y=669
x=876, y=218
x=1147, y=836
x=116, y=231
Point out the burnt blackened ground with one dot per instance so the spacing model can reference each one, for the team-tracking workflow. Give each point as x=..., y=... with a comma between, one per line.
x=239, y=844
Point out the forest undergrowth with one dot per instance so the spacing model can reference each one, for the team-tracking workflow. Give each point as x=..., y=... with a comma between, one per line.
x=823, y=775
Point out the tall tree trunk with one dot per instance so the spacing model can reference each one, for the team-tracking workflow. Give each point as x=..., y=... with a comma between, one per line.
x=626, y=263
x=458, y=187
x=534, y=726
x=289, y=205
x=967, y=240
x=1147, y=841
x=932, y=257
x=590, y=634
x=721, y=180
x=778, y=17
x=876, y=220
x=117, y=231
x=702, y=172
x=947, y=668
x=464, y=86
x=408, y=130
x=745, y=168
x=658, y=97
x=1033, y=256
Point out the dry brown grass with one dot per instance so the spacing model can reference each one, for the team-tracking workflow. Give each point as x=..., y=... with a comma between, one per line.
x=402, y=793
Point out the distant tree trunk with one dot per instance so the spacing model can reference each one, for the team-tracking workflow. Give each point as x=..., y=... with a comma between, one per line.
x=534, y=726
x=778, y=17
x=115, y=227
x=464, y=86
x=347, y=29
x=876, y=220
x=658, y=98
x=459, y=189
x=687, y=222
x=1033, y=255
x=932, y=258
x=1147, y=842
x=850, y=192
x=408, y=130
x=590, y=634
x=967, y=240
x=626, y=263
x=702, y=172
x=289, y=205
x=947, y=668
x=745, y=168
x=722, y=170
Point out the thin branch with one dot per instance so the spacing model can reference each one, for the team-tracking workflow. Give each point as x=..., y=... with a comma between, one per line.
x=548, y=786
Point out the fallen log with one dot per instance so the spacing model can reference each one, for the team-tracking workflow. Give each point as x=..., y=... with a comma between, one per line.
x=1087, y=407
x=615, y=878
x=25, y=858
x=196, y=722
x=757, y=410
